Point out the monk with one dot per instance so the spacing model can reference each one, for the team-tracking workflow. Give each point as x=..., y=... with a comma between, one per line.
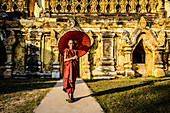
x=70, y=71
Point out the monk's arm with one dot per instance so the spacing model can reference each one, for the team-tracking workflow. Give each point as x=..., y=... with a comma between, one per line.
x=68, y=59
x=76, y=54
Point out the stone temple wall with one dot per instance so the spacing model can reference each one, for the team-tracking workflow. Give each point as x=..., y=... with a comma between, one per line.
x=127, y=37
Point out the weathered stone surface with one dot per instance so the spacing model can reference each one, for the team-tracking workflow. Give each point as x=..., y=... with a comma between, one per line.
x=126, y=38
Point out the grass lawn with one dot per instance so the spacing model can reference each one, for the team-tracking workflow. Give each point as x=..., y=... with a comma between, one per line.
x=138, y=95
x=23, y=95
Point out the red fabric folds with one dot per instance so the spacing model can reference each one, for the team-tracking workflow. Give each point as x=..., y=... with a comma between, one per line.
x=70, y=72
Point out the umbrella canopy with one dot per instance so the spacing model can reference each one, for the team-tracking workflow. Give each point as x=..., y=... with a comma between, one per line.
x=81, y=40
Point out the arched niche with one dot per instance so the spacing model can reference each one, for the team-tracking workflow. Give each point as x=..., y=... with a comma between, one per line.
x=143, y=49
x=143, y=52
x=139, y=53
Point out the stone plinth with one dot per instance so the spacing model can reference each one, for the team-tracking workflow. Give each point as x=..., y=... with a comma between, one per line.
x=128, y=61
x=159, y=71
x=56, y=69
x=106, y=64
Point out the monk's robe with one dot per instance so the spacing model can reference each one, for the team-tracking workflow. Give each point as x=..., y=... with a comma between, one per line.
x=70, y=72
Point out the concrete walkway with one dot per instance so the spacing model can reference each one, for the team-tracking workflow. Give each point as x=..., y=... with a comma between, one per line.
x=55, y=101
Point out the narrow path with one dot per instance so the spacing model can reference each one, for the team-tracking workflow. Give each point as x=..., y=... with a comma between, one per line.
x=55, y=101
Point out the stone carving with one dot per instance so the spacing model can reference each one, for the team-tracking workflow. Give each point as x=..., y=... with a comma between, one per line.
x=125, y=40
x=113, y=4
x=84, y=4
x=93, y=5
x=21, y=4
x=160, y=4
x=19, y=56
x=158, y=58
x=103, y=5
x=10, y=5
x=107, y=48
x=54, y=4
x=133, y=4
x=161, y=38
x=63, y=6
x=70, y=23
x=142, y=22
x=10, y=40
x=74, y=4
x=143, y=4
x=153, y=4
x=123, y=4
x=37, y=10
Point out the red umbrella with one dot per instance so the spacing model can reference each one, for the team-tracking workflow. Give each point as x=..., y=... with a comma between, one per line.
x=81, y=39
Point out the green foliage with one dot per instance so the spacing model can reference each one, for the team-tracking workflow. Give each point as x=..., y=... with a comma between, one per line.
x=140, y=95
x=23, y=95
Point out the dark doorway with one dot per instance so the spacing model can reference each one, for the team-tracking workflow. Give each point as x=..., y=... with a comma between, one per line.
x=139, y=53
x=3, y=58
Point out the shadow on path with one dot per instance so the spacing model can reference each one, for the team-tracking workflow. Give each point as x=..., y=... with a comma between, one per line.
x=78, y=98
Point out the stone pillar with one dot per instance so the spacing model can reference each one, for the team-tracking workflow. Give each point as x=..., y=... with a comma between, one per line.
x=159, y=71
x=106, y=64
x=8, y=63
x=169, y=62
x=167, y=7
x=56, y=70
x=128, y=61
x=8, y=42
x=85, y=67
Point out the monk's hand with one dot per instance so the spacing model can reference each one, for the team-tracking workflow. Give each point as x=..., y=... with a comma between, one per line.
x=75, y=57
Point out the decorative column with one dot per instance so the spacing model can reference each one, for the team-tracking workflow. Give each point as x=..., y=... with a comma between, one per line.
x=8, y=42
x=159, y=71
x=106, y=64
x=85, y=68
x=128, y=61
x=169, y=62
x=56, y=70
x=162, y=12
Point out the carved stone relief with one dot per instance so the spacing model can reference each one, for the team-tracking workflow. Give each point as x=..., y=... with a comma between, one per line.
x=93, y=5
x=123, y=4
x=19, y=56
x=113, y=4
x=103, y=6
x=84, y=4
x=153, y=4
x=107, y=48
x=133, y=4
x=143, y=4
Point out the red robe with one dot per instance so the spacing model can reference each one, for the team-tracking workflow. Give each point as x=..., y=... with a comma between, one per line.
x=70, y=72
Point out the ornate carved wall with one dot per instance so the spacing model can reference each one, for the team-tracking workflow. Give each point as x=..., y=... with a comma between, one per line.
x=117, y=30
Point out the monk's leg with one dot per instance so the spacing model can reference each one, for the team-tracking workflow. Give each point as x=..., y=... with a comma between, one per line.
x=68, y=96
x=72, y=95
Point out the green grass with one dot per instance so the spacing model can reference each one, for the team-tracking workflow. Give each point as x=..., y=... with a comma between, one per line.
x=138, y=95
x=23, y=95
